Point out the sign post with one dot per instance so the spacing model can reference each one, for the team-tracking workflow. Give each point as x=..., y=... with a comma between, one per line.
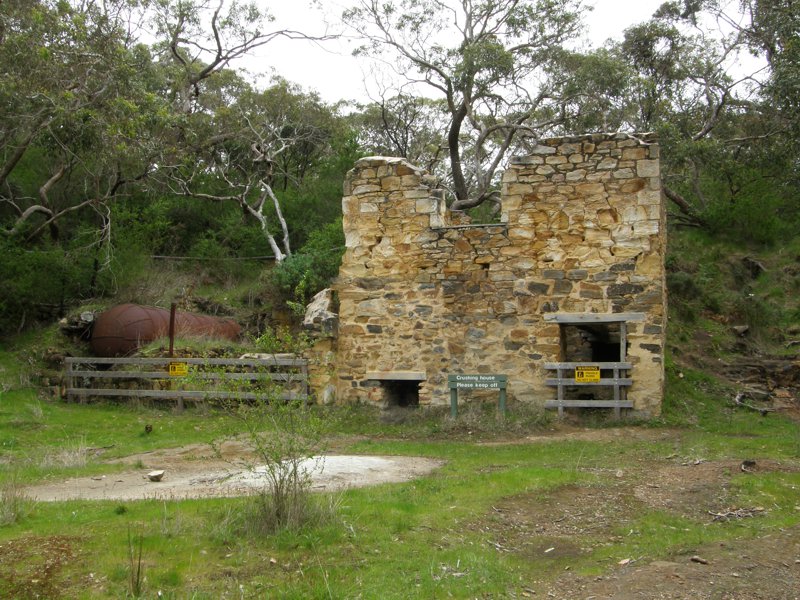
x=476, y=382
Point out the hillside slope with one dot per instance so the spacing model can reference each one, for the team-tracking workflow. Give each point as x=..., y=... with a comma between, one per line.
x=734, y=314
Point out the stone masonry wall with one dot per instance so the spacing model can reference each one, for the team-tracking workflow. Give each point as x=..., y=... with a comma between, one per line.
x=582, y=231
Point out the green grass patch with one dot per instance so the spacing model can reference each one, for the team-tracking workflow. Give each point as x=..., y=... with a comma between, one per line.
x=715, y=427
x=47, y=438
x=450, y=533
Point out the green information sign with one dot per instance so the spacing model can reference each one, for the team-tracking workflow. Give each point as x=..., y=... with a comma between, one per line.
x=476, y=382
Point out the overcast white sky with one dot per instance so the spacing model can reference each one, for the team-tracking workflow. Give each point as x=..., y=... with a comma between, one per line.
x=332, y=71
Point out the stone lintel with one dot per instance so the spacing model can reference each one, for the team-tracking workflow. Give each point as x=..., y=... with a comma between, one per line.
x=593, y=317
x=396, y=375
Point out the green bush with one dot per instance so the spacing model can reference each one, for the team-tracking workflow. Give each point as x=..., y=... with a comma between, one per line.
x=754, y=311
x=683, y=285
x=41, y=283
x=683, y=290
x=281, y=340
x=317, y=202
x=760, y=221
x=313, y=268
x=15, y=504
x=209, y=248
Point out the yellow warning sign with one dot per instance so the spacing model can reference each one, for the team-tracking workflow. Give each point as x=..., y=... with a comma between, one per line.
x=178, y=369
x=589, y=374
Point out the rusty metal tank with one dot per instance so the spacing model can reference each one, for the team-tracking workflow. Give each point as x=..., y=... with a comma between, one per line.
x=120, y=330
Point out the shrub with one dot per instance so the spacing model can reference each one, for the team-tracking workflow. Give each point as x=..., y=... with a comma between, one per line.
x=313, y=268
x=755, y=312
x=286, y=438
x=759, y=222
x=683, y=285
x=280, y=340
x=483, y=417
x=40, y=283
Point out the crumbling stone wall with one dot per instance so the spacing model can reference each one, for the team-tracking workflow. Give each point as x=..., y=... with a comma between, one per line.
x=422, y=294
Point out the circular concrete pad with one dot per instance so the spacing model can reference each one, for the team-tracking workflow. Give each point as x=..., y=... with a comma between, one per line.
x=191, y=480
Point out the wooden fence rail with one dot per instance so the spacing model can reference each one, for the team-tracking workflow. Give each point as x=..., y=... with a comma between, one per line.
x=206, y=379
x=565, y=378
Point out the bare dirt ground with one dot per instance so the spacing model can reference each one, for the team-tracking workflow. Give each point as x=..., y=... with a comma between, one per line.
x=565, y=432
x=575, y=520
x=760, y=569
x=197, y=471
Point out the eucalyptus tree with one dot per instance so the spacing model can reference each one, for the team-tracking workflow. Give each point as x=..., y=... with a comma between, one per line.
x=227, y=144
x=598, y=94
x=91, y=112
x=101, y=101
x=723, y=128
x=404, y=125
x=774, y=30
x=770, y=28
x=79, y=104
x=80, y=121
x=249, y=151
x=199, y=38
x=486, y=59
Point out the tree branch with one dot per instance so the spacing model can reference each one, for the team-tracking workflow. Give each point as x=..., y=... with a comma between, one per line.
x=684, y=206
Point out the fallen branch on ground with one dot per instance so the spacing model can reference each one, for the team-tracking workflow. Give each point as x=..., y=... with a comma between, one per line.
x=739, y=513
x=761, y=409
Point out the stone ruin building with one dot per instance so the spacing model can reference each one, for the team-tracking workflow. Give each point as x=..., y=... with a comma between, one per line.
x=573, y=273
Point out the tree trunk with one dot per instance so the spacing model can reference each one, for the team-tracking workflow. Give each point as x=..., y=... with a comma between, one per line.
x=459, y=183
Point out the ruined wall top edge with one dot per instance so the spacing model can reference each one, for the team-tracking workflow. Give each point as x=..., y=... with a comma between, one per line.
x=376, y=161
x=644, y=139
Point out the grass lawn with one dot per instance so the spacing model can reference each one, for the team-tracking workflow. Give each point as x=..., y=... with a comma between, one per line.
x=517, y=510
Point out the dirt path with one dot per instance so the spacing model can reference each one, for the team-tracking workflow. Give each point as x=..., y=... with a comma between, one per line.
x=574, y=520
x=766, y=568
x=197, y=471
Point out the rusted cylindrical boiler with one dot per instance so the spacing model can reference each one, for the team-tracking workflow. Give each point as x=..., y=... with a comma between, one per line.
x=120, y=330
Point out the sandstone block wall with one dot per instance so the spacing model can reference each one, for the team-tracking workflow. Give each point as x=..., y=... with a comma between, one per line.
x=422, y=295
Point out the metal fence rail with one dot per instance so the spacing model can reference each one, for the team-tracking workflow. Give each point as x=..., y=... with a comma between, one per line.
x=208, y=378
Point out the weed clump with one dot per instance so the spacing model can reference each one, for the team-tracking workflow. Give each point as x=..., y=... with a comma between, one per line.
x=484, y=418
x=287, y=440
x=72, y=455
x=15, y=505
x=136, y=578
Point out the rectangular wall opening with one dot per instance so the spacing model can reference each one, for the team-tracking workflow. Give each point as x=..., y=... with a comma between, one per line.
x=403, y=394
x=398, y=388
x=593, y=370
x=593, y=343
